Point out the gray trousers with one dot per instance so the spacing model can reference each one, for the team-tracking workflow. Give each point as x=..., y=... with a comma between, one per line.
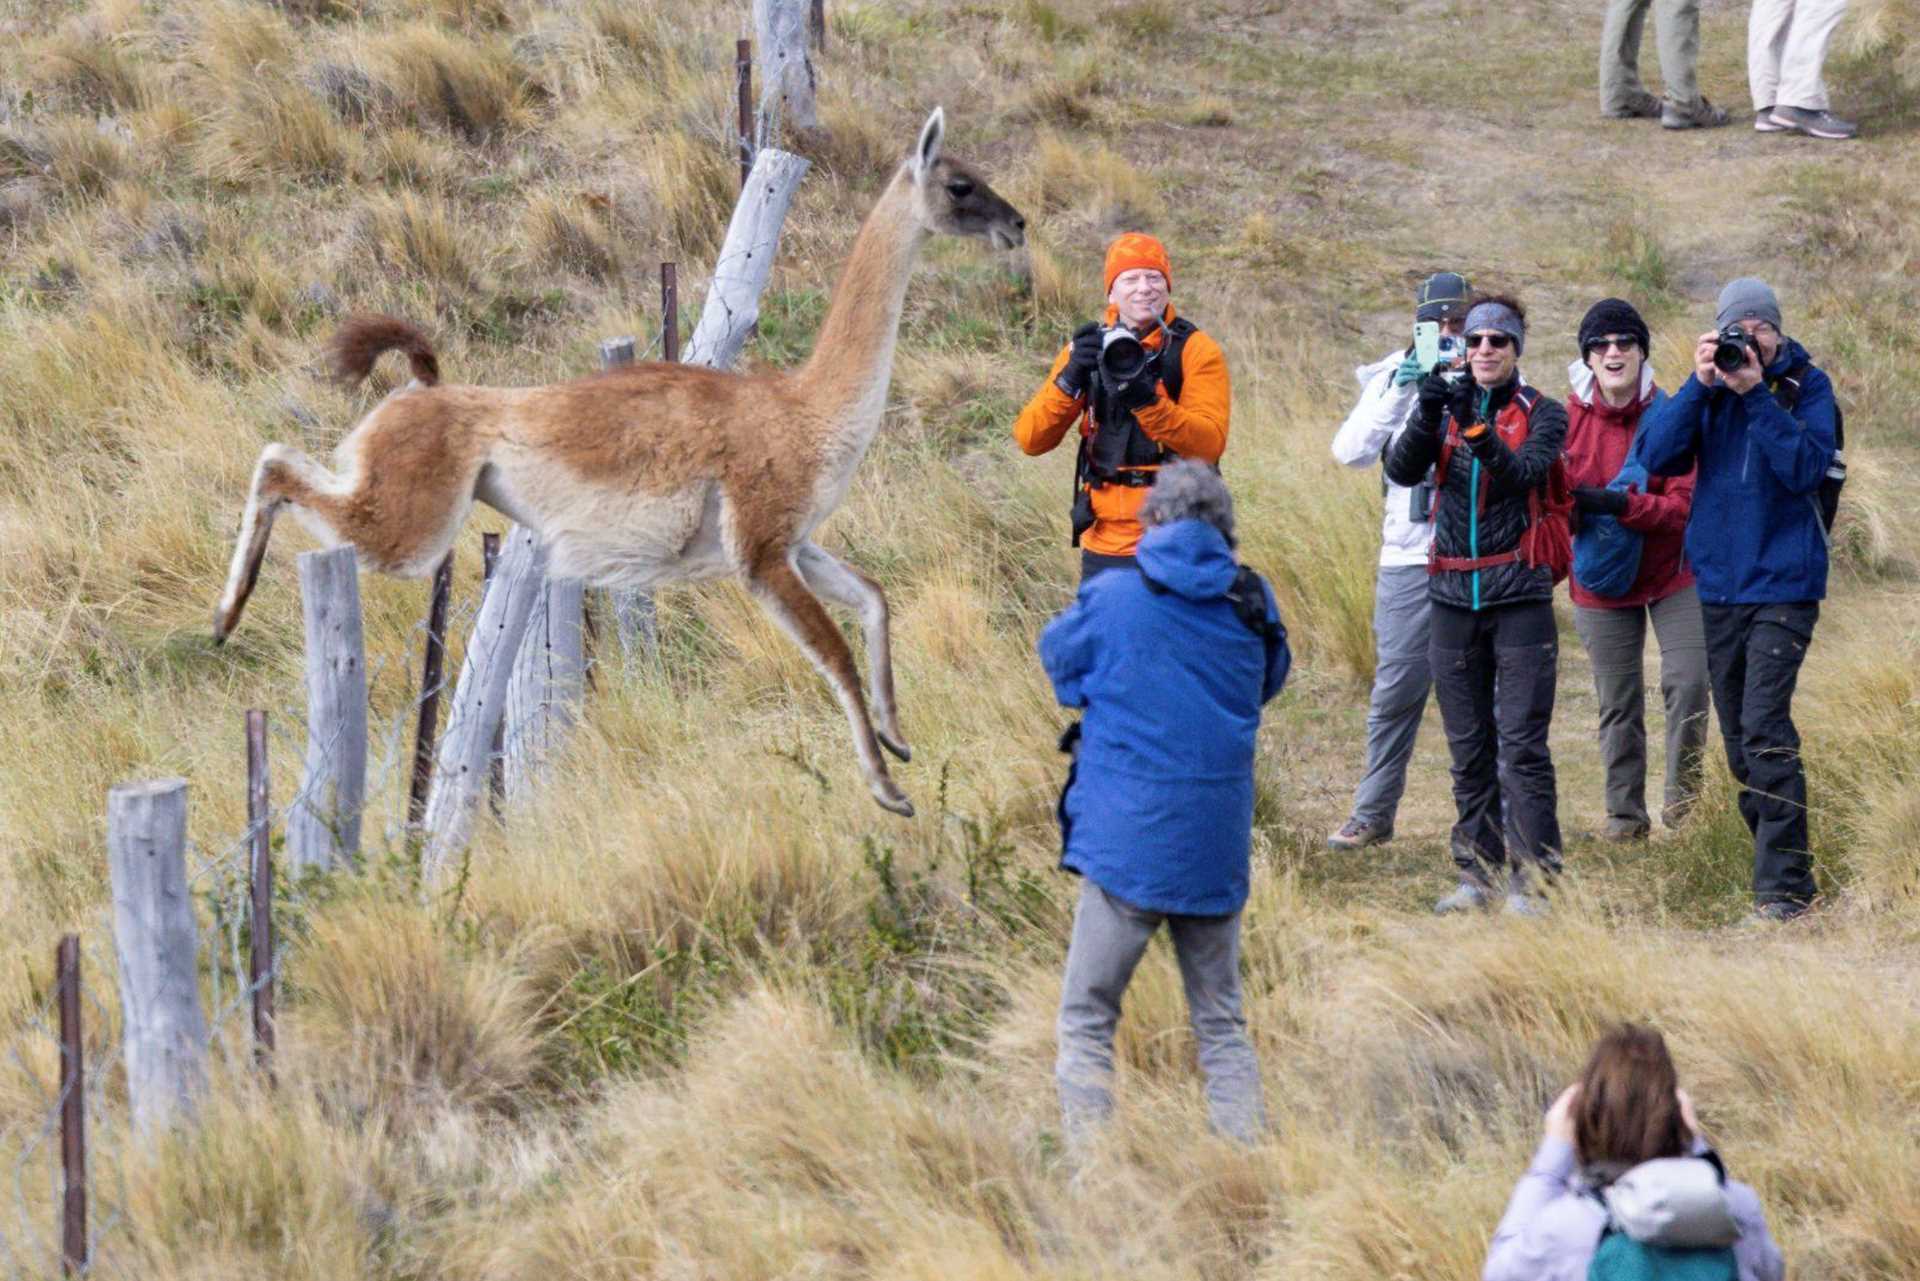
x=1615, y=640
x=1402, y=676
x=1109, y=937
x=1676, y=30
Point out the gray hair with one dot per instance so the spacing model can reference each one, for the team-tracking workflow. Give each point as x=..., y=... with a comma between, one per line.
x=1189, y=490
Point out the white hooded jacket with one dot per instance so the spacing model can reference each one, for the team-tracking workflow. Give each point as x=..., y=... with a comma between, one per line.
x=1377, y=417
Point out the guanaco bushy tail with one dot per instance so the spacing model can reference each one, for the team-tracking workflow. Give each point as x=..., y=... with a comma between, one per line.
x=364, y=338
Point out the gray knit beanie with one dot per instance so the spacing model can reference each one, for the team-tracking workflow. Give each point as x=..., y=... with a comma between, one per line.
x=1747, y=298
x=1500, y=318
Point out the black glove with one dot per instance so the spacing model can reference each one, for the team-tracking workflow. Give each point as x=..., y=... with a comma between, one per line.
x=1593, y=498
x=1138, y=394
x=1436, y=390
x=1078, y=374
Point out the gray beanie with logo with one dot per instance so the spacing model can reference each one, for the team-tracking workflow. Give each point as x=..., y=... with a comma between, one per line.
x=1747, y=298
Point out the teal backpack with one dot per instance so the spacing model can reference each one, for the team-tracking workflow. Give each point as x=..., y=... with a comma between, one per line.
x=1667, y=1220
x=1621, y=1258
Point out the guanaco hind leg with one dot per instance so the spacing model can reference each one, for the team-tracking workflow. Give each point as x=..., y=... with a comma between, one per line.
x=778, y=588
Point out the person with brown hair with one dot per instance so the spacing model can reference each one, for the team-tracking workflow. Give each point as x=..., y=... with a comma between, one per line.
x=1624, y=1167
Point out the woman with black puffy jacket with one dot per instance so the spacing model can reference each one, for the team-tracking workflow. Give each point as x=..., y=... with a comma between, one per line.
x=1495, y=650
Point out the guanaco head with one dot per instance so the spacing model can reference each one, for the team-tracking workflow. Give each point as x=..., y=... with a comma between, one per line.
x=950, y=197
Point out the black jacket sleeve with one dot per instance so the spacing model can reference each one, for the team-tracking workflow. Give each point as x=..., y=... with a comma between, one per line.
x=1512, y=472
x=1413, y=451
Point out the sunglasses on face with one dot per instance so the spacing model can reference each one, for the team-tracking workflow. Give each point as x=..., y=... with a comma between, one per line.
x=1621, y=345
x=1499, y=342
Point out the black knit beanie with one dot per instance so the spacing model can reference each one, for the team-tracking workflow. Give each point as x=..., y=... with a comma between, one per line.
x=1613, y=316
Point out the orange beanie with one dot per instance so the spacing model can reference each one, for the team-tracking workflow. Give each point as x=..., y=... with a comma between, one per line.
x=1137, y=249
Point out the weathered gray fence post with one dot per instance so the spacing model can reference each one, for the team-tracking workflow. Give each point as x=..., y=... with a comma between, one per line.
x=323, y=824
x=548, y=684
x=780, y=27
x=480, y=697
x=158, y=943
x=260, y=890
x=746, y=259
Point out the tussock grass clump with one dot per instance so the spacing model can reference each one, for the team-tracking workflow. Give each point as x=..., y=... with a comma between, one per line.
x=1093, y=183
x=418, y=237
x=91, y=71
x=569, y=236
x=395, y=1013
x=471, y=86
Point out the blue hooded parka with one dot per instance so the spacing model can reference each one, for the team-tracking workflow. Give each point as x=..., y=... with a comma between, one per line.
x=1755, y=535
x=1159, y=809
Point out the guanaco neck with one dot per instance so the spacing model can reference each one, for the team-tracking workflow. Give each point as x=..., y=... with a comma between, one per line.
x=846, y=377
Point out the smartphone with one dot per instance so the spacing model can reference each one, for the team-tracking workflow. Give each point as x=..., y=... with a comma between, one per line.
x=1426, y=343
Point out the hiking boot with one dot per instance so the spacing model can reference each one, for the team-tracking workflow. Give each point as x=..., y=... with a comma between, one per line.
x=1523, y=899
x=1357, y=833
x=1672, y=816
x=1642, y=106
x=1468, y=896
x=1763, y=122
x=1814, y=124
x=1780, y=910
x=1701, y=115
x=1623, y=831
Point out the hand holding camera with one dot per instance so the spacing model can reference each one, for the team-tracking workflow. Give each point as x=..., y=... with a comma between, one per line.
x=1085, y=358
x=1437, y=390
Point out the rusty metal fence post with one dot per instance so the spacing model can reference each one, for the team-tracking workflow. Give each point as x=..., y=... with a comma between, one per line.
x=73, y=1111
x=743, y=77
x=432, y=674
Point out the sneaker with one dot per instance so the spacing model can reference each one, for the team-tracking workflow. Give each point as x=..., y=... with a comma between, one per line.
x=1642, y=106
x=1468, y=896
x=1780, y=910
x=1815, y=124
x=1701, y=115
x=1621, y=831
x=1763, y=122
x=1357, y=833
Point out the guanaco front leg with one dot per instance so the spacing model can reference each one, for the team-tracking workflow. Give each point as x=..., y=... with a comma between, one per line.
x=778, y=588
x=835, y=580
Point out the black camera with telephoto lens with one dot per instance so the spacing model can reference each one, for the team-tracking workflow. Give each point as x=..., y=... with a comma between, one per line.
x=1123, y=357
x=1730, y=348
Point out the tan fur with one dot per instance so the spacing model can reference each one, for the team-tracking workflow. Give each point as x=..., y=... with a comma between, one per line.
x=650, y=473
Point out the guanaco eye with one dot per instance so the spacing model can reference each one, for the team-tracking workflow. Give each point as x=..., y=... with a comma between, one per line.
x=959, y=189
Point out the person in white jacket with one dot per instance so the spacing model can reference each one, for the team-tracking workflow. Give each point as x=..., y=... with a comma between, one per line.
x=1402, y=675
x=1615, y=1159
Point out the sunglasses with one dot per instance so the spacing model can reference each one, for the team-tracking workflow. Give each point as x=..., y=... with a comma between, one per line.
x=1621, y=345
x=1499, y=342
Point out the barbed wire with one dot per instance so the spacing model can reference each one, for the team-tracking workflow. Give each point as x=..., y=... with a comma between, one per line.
x=219, y=875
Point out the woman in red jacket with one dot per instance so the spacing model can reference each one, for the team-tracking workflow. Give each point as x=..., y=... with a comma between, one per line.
x=1612, y=385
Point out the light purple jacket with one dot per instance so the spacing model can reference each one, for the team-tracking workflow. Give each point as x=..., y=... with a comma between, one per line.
x=1552, y=1226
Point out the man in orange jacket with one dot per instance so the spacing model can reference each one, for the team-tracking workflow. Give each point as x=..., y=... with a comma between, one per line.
x=1177, y=408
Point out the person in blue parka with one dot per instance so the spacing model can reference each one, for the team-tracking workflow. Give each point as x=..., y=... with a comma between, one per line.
x=1765, y=437
x=1171, y=664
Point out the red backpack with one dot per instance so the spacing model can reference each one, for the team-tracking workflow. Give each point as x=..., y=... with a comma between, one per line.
x=1548, y=542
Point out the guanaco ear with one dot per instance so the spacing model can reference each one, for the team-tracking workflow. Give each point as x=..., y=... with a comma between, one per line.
x=927, y=154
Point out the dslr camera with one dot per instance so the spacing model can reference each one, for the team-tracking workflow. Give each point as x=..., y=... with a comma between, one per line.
x=1123, y=357
x=1730, y=348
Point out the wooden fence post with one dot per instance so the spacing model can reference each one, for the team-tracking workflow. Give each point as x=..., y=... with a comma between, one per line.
x=323, y=824
x=669, y=314
x=432, y=674
x=781, y=28
x=463, y=765
x=497, y=752
x=73, y=1110
x=157, y=942
x=548, y=683
x=741, y=271
x=743, y=77
x=260, y=881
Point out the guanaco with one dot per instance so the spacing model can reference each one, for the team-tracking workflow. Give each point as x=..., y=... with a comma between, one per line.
x=650, y=473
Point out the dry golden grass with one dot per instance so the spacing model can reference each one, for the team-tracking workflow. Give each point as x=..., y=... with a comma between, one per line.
x=699, y=1009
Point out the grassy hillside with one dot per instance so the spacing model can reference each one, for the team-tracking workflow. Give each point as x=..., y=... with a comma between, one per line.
x=703, y=1010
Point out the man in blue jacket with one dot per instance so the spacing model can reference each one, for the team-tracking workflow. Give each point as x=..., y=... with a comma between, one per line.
x=1172, y=666
x=1764, y=437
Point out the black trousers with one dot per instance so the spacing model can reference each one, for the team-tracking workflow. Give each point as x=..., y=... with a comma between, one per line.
x=1754, y=654
x=1494, y=673
x=1092, y=563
